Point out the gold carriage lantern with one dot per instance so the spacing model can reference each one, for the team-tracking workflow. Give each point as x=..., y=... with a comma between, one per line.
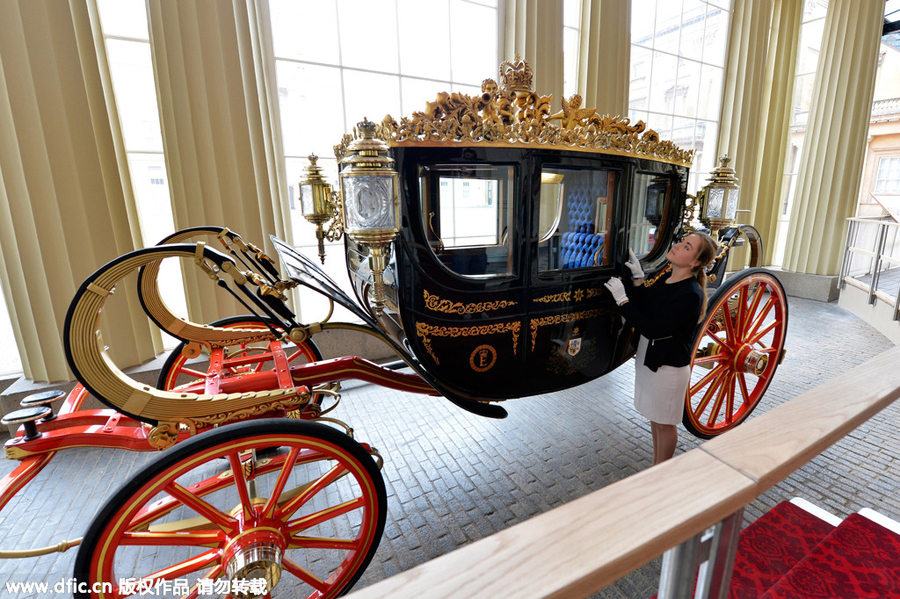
x=719, y=199
x=317, y=202
x=369, y=187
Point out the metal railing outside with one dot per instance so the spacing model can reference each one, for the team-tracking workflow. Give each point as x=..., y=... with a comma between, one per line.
x=872, y=260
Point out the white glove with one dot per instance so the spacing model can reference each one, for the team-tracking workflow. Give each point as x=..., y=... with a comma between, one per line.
x=617, y=289
x=634, y=266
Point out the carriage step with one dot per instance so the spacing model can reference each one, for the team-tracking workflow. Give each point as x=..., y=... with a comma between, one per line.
x=26, y=417
x=44, y=398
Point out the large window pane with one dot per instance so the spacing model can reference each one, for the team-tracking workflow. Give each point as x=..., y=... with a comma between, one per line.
x=311, y=112
x=715, y=36
x=692, y=29
x=425, y=51
x=416, y=92
x=662, y=82
x=686, y=93
x=124, y=18
x=133, y=86
x=9, y=352
x=305, y=30
x=668, y=26
x=473, y=42
x=708, y=104
x=642, y=22
x=361, y=102
x=369, y=34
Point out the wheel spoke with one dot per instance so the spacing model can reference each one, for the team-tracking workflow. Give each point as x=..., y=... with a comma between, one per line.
x=751, y=309
x=223, y=521
x=741, y=315
x=301, y=524
x=186, y=567
x=762, y=333
x=304, y=575
x=721, y=394
x=729, y=402
x=240, y=480
x=701, y=407
x=323, y=481
x=742, y=379
x=706, y=379
x=323, y=543
x=761, y=316
x=730, y=334
x=282, y=480
x=197, y=539
x=706, y=360
x=214, y=573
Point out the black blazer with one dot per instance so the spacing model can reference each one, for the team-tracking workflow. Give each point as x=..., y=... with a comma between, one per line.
x=667, y=316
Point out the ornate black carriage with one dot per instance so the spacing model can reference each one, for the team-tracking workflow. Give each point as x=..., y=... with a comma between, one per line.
x=478, y=236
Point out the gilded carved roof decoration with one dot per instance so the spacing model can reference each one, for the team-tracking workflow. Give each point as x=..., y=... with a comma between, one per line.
x=511, y=113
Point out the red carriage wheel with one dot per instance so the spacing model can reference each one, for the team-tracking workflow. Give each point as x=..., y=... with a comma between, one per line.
x=736, y=350
x=295, y=503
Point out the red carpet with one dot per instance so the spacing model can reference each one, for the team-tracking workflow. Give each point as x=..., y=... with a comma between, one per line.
x=858, y=560
x=771, y=546
x=789, y=553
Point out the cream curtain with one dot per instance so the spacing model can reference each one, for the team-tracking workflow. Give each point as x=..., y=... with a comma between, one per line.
x=604, y=59
x=534, y=31
x=743, y=95
x=65, y=202
x=834, y=147
x=218, y=109
x=776, y=118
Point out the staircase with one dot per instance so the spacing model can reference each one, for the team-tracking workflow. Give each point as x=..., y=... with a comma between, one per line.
x=799, y=551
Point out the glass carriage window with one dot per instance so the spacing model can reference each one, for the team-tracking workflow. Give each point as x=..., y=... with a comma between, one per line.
x=467, y=212
x=574, y=218
x=649, y=207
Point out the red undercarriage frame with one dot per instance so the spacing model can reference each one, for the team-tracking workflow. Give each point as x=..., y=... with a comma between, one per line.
x=74, y=427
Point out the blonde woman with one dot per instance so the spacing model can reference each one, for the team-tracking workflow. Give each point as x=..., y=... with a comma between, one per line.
x=665, y=311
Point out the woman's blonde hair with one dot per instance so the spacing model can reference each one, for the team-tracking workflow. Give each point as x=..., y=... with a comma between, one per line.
x=707, y=250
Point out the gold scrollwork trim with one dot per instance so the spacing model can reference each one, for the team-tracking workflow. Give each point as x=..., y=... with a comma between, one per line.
x=560, y=318
x=426, y=331
x=512, y=113
x=567, y=296
x=436, y=304
x=253, y=411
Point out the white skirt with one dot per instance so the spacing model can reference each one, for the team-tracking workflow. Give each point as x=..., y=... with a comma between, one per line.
x=659, y=396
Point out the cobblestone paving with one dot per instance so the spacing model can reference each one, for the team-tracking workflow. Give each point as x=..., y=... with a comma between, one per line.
x=453, y=477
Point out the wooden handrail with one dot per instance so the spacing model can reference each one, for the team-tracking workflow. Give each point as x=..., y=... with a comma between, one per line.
x=579, y=548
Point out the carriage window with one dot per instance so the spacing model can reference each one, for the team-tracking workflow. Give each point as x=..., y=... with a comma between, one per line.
x=574, y=218
x=649, y=206
x=468, y=212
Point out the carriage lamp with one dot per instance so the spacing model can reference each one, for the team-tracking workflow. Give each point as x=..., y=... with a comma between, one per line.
x=719, y=199
x=317, y=202
x=369, y=186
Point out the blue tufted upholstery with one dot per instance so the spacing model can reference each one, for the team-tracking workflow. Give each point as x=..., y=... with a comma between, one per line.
x=579, y=243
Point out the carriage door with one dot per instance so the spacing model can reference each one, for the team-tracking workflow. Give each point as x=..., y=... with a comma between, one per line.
x=571, y=318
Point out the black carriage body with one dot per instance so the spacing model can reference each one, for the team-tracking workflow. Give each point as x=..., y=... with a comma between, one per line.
x=503, y=297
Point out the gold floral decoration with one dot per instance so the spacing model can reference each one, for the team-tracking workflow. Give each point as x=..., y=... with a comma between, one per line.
x=566, y=296
x=426, y=331
x=513, y=114
x=436, y=304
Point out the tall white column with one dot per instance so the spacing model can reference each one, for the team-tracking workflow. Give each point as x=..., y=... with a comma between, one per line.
x=834, y=148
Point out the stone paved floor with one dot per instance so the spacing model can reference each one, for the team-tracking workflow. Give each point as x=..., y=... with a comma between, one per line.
x=453, y=477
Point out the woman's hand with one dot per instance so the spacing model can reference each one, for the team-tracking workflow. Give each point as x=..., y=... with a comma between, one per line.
x=634, y=266
x=617, y=289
